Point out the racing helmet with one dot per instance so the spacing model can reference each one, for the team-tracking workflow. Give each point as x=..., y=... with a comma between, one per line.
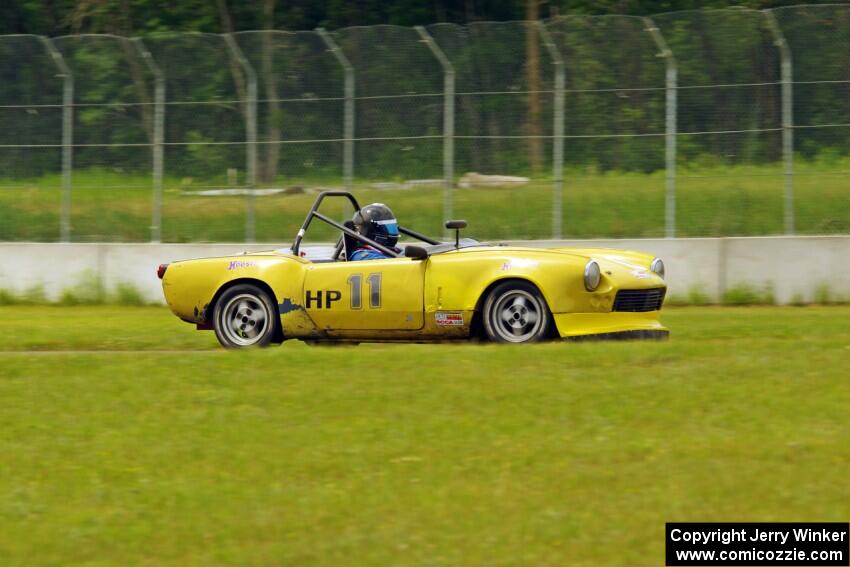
x=376, y=221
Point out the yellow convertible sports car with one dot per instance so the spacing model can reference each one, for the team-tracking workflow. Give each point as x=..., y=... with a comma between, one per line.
x=432, y=291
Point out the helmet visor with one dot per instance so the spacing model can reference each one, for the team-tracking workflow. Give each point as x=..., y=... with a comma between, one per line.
x=390, y=226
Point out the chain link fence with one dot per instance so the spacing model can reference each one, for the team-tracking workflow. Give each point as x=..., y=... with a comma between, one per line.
x=695, y=123
x=35, y=82
x=615, y=122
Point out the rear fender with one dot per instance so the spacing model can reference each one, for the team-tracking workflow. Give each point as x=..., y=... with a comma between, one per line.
x=192, y=287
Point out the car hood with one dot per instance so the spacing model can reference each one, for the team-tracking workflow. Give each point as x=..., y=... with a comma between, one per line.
x=626, y=258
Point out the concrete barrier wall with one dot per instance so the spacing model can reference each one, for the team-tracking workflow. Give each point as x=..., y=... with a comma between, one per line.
x=795, y=267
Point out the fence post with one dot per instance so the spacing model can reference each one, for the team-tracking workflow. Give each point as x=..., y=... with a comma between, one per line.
x=787, y=117
x=348, y=126
x=251, y=135
x=670, y=128
x=557, y=133
x=448, y=121
x=67, y=136
x=158, y=137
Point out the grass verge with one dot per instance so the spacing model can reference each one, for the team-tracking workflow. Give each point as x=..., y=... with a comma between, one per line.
x=411, y=454
x=719, y=201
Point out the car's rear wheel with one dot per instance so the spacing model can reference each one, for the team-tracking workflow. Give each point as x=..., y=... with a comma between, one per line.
x=244, y=317
x=515, y=312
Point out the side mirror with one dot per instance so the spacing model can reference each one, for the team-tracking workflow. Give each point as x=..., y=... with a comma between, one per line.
x=456, y=225
x=415, y=252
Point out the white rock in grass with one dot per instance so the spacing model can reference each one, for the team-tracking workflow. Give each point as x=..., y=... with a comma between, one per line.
x=473, y=179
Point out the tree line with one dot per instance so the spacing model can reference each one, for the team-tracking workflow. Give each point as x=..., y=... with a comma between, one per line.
x=129, y=17
x=615, y=100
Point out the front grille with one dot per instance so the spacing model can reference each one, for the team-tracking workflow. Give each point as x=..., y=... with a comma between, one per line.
x=639, y=300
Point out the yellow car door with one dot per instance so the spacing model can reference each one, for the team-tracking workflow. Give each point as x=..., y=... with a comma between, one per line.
x=366, y=295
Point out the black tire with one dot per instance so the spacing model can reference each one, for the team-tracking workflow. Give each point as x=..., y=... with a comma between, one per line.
x=245, y=317
x=515, y=312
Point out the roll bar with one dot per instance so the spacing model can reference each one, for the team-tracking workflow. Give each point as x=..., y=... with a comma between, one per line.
x=314, y=213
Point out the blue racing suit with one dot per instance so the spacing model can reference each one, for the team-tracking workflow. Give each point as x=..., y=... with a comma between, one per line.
x=367, y=252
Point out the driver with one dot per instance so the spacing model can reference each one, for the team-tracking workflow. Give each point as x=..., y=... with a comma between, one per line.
x=376, y=222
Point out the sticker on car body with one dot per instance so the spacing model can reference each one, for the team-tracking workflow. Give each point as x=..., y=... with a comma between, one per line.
x=519, y=263
x=449, y=319
x=236, y=264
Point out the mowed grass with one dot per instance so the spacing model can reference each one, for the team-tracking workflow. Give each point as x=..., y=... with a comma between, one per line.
x=725, y=201
x=554, y=454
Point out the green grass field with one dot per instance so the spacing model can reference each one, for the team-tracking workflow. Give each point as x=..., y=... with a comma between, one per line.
x=161, y=449
x=721, y=201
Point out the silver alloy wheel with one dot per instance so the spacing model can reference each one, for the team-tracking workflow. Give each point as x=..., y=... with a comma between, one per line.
x=244, y=319
x=517, y=316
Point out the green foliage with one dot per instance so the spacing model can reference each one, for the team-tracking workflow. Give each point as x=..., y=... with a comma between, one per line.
x=797, y=300
x=88, y=290
x=34, y=295
x=676, y=300
x=127, y=294
x=695, y=296
x=823, y=294
x=616, y=88
x=746, y=294
x=698, y=296
x=7, y=297
x=203, y=158
x=149, y=16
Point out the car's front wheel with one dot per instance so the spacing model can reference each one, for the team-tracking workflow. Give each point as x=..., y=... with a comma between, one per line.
x=245, y=316
x=515, y=312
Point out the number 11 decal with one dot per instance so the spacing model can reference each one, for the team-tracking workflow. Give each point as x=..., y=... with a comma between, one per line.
x=355, y=281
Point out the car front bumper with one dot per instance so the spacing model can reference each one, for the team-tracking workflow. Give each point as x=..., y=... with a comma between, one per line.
x=606, y=325
x=623, y=336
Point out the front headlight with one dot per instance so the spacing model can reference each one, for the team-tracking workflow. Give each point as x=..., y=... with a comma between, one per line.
x=592, y=275
x=657, y=266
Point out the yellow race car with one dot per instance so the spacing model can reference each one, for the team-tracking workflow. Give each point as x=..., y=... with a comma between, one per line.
x=432, y=291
